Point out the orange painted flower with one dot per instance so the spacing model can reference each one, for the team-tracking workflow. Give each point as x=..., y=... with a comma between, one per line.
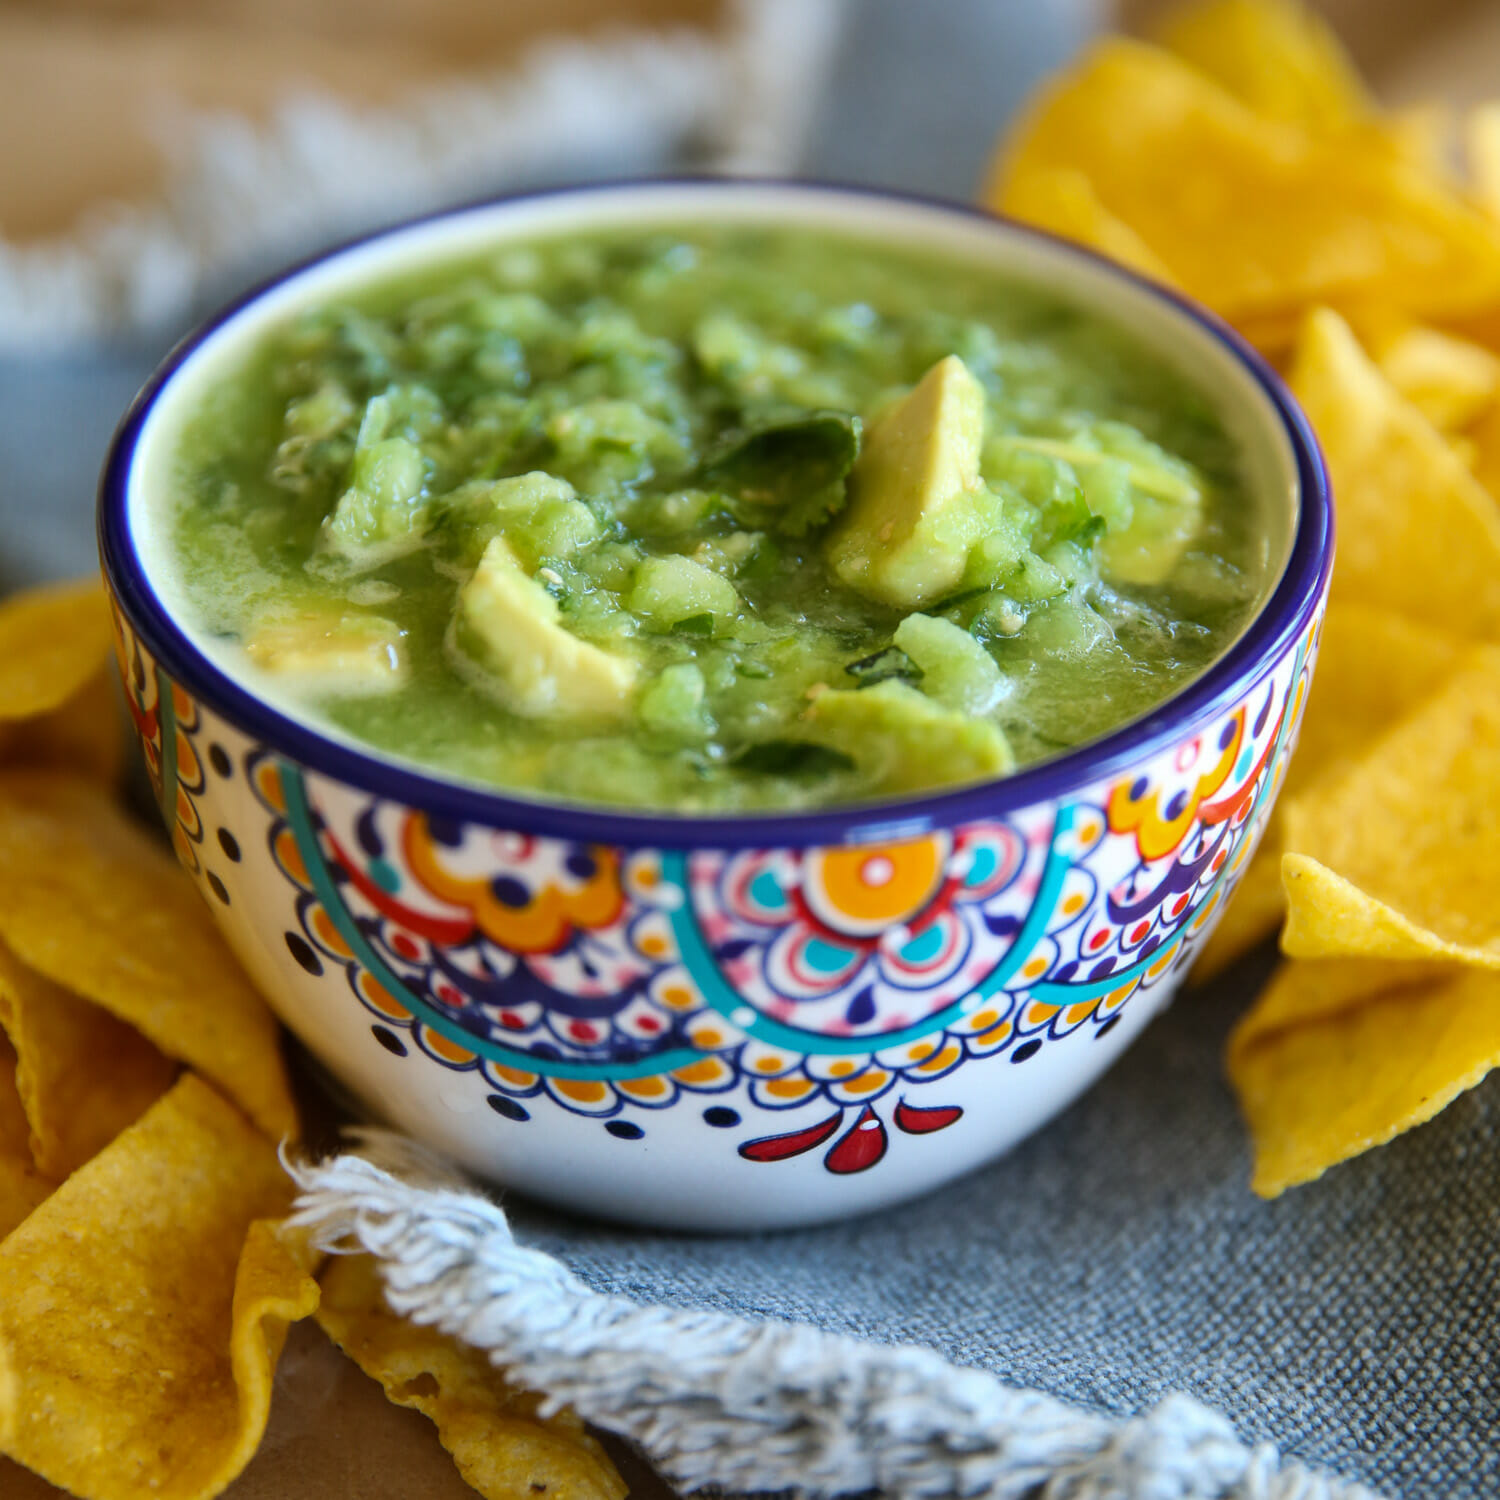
x=519, y=915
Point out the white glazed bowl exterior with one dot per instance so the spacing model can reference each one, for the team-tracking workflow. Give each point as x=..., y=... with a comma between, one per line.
x=724, y=1024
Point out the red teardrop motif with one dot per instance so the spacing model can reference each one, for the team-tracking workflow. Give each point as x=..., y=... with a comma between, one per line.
x=794, y=1143
x=915, y=1121
x=860, y=1148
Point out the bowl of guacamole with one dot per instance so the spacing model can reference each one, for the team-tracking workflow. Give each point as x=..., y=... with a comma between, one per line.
x=785, y=644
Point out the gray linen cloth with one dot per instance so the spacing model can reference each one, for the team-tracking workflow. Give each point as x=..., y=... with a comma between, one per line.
x=1119, y=1255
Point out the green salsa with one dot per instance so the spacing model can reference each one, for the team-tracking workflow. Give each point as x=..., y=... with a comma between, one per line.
x=712, y=519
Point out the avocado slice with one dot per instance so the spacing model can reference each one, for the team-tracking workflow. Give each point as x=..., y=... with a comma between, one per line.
x=1148, y=549
x=330, y=649
x=904, y=741
x=904, y=536
x=509, y=626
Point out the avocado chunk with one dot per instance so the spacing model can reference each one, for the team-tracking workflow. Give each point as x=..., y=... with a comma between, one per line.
x=1161, y=529
x=902, y=740
x=510, y=628
x=330, y=649
x=904, y=536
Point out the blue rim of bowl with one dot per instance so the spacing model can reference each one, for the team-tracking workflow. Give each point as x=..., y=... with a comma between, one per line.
x=1281, y=619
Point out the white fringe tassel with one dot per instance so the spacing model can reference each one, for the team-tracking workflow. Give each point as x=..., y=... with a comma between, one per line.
x=716, y=1400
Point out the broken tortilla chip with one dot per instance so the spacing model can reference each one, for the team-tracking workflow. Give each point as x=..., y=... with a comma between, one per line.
x=1482, y=148
x=58, y=703
x=1063, y=202
x=1373, y=668
x=89, y=900
x=502, y=1447
x=1279, y=59
x=83, y=1076
x=22, y=1187
x=1450, y=380
x=1418, y=535
x=1393, y=857
x=1253, y=216
x=141, y=1313
x=1339, y=1057
x=1483, y=440
x=53, y=641
x=86, y=734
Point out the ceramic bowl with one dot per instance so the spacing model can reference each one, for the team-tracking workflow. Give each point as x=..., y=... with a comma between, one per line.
x=721, y=1022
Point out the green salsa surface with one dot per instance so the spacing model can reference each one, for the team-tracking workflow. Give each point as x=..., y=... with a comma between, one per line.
x=711, y=519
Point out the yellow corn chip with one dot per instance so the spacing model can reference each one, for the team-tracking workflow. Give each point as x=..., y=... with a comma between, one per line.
x=501, y=1446
x=1484, y=457
x=1393, y=858
x=1065, y=203
x=83, y=1075
x=138, y=1322
x=1273, y=334
x=1418, y=535
x=1376, y=1055
x=86, y=734
x=1253, y=216
x=1373, y=668
x=22, y=1187
x=91, y=901
x=1482, y=146
x=1448, y=379
x=1426, y=135
x=53, y=642
x=57, y=681
x=1301, y=993
x=1278, y=58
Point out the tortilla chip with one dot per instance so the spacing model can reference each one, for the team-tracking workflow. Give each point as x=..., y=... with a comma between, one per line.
x=1374, y=1054
x=1426, y=135
x=1064, y=203
x=132, y=1302
x=1393, y=858
x=89, y=900
x=1302, y=992
x=1450, y=380
x=1251, y=215
x=502, y=1447
x=273, y=1288
x=22, y=1187
x=58, y=704
x=1484, y=451
x=1373, y=668
x=1278, y=58
x=1418, y=535
x=53, y=641
x=83, y=1075
x=1482, y=147
x=86, y=734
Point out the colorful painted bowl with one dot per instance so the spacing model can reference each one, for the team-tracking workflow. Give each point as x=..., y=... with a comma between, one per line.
x=721, y=1022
